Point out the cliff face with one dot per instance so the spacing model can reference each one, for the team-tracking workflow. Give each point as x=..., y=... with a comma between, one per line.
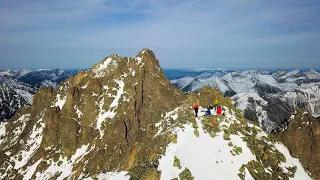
x=302, y=137
x=108, y=112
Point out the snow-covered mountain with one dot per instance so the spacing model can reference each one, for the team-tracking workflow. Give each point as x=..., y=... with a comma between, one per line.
x=13, y=95
x=264, y=96
x=14, y=73
x=123, y=119
x=40, y=78
x=18, y=86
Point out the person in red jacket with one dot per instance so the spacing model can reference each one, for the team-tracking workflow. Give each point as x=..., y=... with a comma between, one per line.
x=219, y=110
x=196, y=109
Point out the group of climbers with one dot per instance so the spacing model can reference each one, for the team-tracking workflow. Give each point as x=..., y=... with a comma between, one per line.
x=217, y=108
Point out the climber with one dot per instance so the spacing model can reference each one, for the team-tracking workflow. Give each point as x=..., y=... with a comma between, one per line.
x=215, y=103
x=219, y=110
x=196, y=108
x=208, y=112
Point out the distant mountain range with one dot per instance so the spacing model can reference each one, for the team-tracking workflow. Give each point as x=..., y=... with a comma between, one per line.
x=18, y=86
x=268, y=97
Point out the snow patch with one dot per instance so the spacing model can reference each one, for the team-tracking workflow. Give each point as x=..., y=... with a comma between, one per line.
x=111, y=112
x=133, y=72
x=139, y=59
x=18, y=130
x=2, y=130
x=85, y=86
x=242, y=99
x=119, y=93
x=32, y=144
x=79, y=113
x=122, y=175
x=65, y=167
x=47, y=83
x=101, y=67
x=290, y=161
x=268, y=79
x=60, y=101
x=102, y=116
x=30, y=170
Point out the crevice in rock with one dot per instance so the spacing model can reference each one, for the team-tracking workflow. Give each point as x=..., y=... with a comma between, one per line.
x=126, y=131
x=75, y=92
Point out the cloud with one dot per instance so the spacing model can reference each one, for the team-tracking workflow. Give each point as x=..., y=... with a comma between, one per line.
x=228, y=32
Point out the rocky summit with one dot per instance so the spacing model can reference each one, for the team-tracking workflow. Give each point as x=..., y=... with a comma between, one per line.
x=123, y=119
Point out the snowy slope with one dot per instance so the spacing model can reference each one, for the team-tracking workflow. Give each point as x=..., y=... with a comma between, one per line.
x=22, y=72
x=210, y=157
x=304, y=98
x=6, y=72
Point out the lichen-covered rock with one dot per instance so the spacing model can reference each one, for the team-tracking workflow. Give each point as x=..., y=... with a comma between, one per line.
x=176, y=163
x=186, y=175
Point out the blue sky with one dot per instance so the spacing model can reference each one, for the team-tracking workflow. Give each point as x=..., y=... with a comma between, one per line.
x=183, y=34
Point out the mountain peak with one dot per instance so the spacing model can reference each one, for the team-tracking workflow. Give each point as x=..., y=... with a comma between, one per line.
x=108, y=112
x=114, y=62
x=146, y=52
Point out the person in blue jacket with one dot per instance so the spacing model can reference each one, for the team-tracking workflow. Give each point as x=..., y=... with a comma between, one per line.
x=208, y=112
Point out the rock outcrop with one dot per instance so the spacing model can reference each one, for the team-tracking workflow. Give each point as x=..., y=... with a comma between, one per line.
x=302, y=137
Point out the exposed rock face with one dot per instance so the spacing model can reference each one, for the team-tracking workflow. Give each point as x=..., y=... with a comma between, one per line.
x=100, y=120
x=302, y=137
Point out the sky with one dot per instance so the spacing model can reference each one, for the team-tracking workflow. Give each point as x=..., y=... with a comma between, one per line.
x=232, y=34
